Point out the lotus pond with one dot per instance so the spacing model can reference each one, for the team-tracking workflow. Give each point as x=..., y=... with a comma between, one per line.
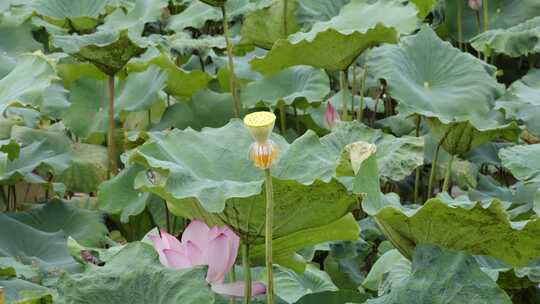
x=270, y=151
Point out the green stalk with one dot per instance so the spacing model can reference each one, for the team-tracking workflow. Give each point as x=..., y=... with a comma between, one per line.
x=433, y=169
x=111, y=149
x=282, y=118
x=353, y=87
x=2, y=297
x=417, y=173
x=232, y=75
x=448, y=174
x=362, y=92
x=343, y=88
x=285, y=25
x=460, y=24
x=247, y=273
x=232, y=278
x=268, y=236
x=486, y=15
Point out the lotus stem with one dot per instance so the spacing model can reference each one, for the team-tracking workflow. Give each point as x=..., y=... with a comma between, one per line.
x=417, y=173
x=460, y=24
x=486, y=15
x=232, y=75
x=362, y=92
x=353, y=87
x=478, y=22
x=285, y=25
x=247, y=273
x=296, y=119
x=282, y=119
x=268, y=236
x=2, y=297
x=111, y=149
x=433, y=169
x=448, y=174
x=343, y=88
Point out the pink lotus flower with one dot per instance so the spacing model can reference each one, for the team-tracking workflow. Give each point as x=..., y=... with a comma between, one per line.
x=331, y=116
x=475, y=4
x=216, y=247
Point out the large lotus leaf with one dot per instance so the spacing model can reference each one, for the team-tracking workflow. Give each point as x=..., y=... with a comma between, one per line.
x=83, y=225
x=522, y=101
x=397, y=157
x=458, y=138
x=180, y=83
x=228, y=183
x=17, y=38
x=19, y=291
x=135, y=17
x=117, y=196
x=515, y=41
x=31, y=246
x=79, y=15
x=184, y=44
x=12, y=268
x=291, y=286
x=502, y=14
x=263, y=27
x=333, y=297
x=439, y=276
x=430, y=77
x=482, y=229
x=523, y=161
x=107, y=50
x=141, y=90
x=218, y=3
x=7, y=64
x=22, y=87
x=290, y=85
x=424, y=6
x=134, y=275
x=358, y=26
x=310, y=12
x=206, y=108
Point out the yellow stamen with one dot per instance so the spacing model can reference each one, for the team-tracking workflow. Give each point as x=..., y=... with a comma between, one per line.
x=263, y=154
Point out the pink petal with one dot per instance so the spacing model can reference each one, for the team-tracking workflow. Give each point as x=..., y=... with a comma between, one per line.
x=176, y=259
x=159, y=245
x=218, y=259
x=236, y=289
x=171, y=242
x=197, y=232
x=194, y=254
x=234, y=243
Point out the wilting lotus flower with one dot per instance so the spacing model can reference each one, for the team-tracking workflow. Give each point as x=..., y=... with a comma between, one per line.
x=263, y=151
x=331, y=116
x=200, y=245
x=475, y=4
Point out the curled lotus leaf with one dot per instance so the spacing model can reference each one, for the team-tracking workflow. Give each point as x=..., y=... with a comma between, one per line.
x=358, y=26
x=81, y=15
x=523, y=161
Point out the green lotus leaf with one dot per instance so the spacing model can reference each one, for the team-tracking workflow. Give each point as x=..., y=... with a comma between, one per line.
x=117, y=195
x=11, y=268
x=333, y=297
x=228, y=183
x=385, y=267
x=79, y=15
x=107, y=50
x=481, y=229
x=135, y=17
x=523, y=161
x=198, y=13
x=20, y=87
x=458, y=138
x=185, y=44
x=30, y=246
x=397, y=157
x=24, y=292
x=502, y=14
x=424, y=6
x=458, y=279
x=83, y=225
x=290, y=85
x=310, y=12
x=265, y=26
x=291, y=286
x=437, y=80
x=218, y=3
x=138, y=92
x=7, y=64
x=146, y=281
x=515, y=41
x=180, y=83
x=358, y=26
x=522, y=102
x=206, y=108
x=17, y=38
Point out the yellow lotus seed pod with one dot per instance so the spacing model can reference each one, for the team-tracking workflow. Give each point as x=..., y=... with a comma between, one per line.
x=260, y=125
x=263, y=154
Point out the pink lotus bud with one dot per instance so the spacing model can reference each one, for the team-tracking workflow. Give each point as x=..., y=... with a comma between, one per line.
x=475, y=4
x=216, y=247
x=331, y=116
